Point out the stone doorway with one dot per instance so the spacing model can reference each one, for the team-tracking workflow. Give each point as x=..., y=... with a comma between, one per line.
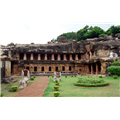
x=94, y=68
x=35, y=68
x=73, y=57
x=99, y=67
x=61, y=56
x=27, y=68
x=42, y=56
x=67, y=57
x=56, y=68
x=21, y=56
x=55, y=56
x=28, y=56
x=63, y=68
x=49, y=56
x=89, y=68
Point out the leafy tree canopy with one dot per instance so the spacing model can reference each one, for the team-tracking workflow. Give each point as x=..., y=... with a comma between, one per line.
x=90, y=32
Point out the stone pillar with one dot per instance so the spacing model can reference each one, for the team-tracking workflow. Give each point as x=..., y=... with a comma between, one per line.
x=92, y=72
x=71, y=57
x=31, y=58
x=97, y=70
x=45, y=56
x=39, y=57
x=76, y=57
x=24, y=56
x=64, y=57
x=52, y=56
x=58, y=57
x=90, y=54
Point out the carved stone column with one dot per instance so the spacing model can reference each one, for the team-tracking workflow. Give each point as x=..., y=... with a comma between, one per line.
x=76, y=57
x=71, y=57
x=52, y=56
x=65, y=57
x=39, y=57
x=90, y=54
x=24, y=56
x=31, y=58
x=58, y=57
x=45, y=56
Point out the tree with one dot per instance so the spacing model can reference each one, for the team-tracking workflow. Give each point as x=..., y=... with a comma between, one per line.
x=113, y=30
x=81, y=32
x=94, y=32
x=101, y=35
x=115, y=68
x=70, y=36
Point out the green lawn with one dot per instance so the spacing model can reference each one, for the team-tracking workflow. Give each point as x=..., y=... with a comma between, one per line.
x=67, y=89
x=5, y=87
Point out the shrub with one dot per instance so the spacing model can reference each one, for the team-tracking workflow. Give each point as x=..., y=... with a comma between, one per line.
x=34, y=76
x=13, y=88
x=52, y=76
x=115, y=76
x=56, y=94
x=71, y=75
x=90, y=80
x=114, y=69
x=31, y=78
x=88, y=76
x=56, y=88
x=92, y=85
x=56, y=81
x=100, y=76
x=2, y=94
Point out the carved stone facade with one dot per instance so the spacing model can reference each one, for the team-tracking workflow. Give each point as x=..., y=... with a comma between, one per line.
x=90, y=56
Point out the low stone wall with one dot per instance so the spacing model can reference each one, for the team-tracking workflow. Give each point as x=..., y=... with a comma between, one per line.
x=50, y=74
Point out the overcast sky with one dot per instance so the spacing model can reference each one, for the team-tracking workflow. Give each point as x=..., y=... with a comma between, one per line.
x=42, y=32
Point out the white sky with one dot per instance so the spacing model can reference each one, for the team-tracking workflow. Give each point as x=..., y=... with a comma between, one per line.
x=42, y=32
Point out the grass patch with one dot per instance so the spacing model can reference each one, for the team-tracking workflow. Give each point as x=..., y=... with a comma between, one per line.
x=68, y=90
x=6, y=87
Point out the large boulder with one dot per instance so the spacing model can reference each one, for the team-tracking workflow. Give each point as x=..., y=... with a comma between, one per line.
x=62, y=39
x=117, y=35
x=11, y=44
x=106, y=37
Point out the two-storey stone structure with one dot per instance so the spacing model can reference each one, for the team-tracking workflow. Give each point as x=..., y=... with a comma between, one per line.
x=90, y=56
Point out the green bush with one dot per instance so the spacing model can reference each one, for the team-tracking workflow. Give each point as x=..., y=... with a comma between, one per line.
x=92, y=85
x=102, y=35
x=57, y=83
x=13, y=88
x=2, y=94
x=116, y=63
x=88, y=76
x=90, y=80
x=56, y=94
x=52, y=76
x=31, y=78
x=114, y=69
x=100, y=76
x=34, y=76
x=115, y=76
x=56, y=88
x=71, y=75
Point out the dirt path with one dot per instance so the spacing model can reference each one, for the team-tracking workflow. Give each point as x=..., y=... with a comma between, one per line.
x=36, y=89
